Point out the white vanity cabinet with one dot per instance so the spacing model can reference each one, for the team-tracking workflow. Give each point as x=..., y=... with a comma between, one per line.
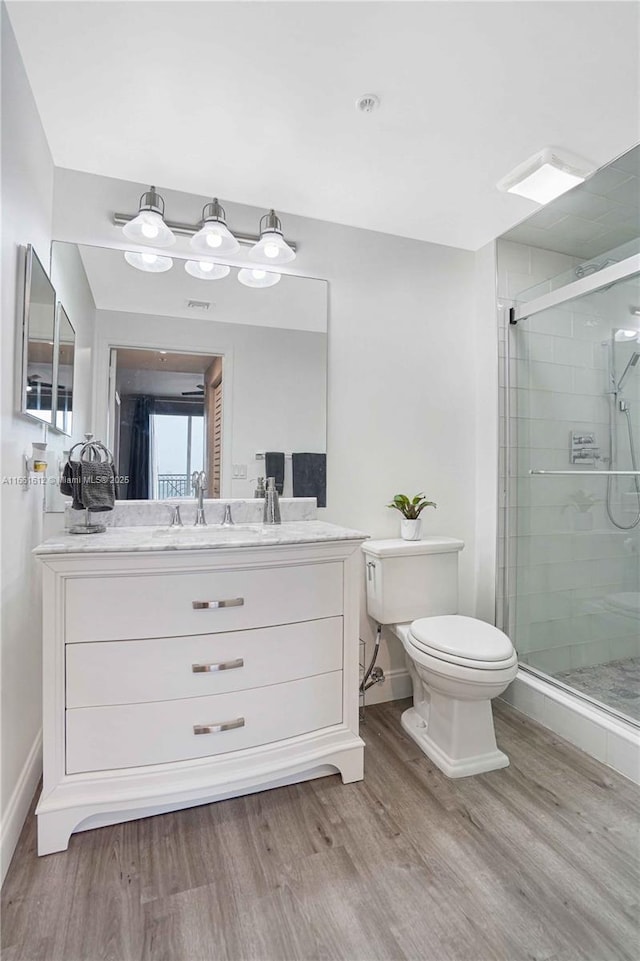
x=178, y=677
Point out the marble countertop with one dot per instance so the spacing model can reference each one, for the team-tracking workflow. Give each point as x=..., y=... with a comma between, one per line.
x=133, y=539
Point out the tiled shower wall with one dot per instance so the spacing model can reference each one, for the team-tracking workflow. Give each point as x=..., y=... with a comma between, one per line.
x=568, y=563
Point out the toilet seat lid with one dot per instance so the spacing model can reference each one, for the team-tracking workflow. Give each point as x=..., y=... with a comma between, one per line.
x=454, y=635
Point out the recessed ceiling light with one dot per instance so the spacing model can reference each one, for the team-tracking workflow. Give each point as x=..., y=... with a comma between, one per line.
x=546, y=175
x=367, y=103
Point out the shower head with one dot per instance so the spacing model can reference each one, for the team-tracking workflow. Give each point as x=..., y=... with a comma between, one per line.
x=633, y=360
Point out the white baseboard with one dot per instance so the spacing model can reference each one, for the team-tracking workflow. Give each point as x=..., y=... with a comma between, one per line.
x=19, y=803
x=596, y=732
x=396, y=684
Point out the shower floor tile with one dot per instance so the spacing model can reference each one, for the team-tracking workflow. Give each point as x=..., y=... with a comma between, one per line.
x=616, y=684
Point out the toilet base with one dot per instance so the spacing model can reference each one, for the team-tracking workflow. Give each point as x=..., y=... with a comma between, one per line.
x=466, y=764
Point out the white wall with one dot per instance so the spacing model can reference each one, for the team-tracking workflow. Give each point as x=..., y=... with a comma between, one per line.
x=403, y=397
x=486, y=432
x=274, y=384
x=27, y=192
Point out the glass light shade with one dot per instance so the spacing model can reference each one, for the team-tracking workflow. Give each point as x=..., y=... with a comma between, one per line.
x=272, y=248
x=149, y=228
x=152, y=263
x=255, y=277
x=205, y=270
x=214, y=237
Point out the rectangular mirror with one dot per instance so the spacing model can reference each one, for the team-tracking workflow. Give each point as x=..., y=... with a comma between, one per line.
x=38, y=340
x=194, y=372
x=65, y=357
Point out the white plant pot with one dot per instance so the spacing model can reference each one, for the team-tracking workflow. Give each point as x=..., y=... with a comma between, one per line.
x=410, y=530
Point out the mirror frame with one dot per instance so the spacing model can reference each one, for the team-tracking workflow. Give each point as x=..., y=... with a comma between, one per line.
x=60, y=309
x=30, y=255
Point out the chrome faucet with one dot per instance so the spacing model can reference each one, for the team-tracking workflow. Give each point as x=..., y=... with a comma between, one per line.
x=227, y=520
x=199, y=484
x=176, y=520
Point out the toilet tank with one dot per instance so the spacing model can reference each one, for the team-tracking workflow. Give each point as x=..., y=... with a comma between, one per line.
x=406, y=580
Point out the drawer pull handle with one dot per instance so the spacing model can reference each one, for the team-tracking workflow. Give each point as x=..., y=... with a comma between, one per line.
x=221, y=666
x=218, y=728
x=214, y=605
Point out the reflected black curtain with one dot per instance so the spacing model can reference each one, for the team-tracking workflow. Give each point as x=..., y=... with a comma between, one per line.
x=140, y=449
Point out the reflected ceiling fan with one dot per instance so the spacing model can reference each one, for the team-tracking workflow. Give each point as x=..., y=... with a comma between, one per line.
x=35, y=380
x=198, y=392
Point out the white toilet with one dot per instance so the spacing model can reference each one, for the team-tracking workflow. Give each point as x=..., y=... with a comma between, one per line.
x=457, y=664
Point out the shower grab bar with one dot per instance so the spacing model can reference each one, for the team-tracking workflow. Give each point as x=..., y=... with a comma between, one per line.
x=592, y=473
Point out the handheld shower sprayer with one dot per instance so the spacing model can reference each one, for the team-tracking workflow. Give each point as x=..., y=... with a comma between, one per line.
x=633, y=360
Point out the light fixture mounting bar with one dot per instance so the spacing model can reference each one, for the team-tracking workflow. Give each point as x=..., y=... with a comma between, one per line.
x=188, y=230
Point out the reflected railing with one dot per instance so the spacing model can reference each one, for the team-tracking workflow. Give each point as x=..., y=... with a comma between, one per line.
x=173, y=485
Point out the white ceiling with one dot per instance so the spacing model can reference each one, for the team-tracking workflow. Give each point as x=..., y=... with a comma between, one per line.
x=254, y=102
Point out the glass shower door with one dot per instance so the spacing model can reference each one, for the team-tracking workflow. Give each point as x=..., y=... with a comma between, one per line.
x=574, y=494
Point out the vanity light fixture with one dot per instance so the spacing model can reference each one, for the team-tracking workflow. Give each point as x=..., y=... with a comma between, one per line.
x=546, y=175
x=214, y=235
x=152, y=263
x=206, y=270
x=149, y=226
x=272, y=248
x=256, y=277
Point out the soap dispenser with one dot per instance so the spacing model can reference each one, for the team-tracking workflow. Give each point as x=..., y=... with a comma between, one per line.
x=259, y=491
x=271, y=514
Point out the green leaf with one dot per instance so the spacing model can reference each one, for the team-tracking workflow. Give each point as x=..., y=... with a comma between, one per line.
x=411, y=508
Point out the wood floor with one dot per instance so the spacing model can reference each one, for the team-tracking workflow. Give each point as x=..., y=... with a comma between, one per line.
x=538, y=861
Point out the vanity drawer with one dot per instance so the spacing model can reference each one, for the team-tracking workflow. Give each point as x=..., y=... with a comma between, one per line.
x=166, y=605
x=159, y=669
x=132, y=735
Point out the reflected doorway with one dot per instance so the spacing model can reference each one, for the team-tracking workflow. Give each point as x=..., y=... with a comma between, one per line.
x=165, y=417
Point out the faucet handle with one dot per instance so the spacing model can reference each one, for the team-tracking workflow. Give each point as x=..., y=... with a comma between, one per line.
x=227, y=520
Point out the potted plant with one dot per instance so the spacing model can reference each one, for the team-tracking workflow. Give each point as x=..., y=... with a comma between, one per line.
x=410, y=508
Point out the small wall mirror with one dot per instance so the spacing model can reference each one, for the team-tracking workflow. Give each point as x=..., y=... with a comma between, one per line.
x=65, y=356
x=39, y=335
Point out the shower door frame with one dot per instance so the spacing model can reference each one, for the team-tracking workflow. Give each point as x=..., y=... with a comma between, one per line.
x=612, y=274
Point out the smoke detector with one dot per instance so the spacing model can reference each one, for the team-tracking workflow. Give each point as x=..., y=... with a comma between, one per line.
x=199, y=304
x=367, y=103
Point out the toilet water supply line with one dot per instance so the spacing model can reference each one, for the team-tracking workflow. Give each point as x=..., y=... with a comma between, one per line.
x=371, y=677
